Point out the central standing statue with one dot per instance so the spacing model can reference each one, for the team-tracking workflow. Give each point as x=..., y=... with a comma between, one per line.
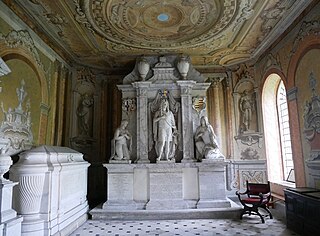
x=164, y=130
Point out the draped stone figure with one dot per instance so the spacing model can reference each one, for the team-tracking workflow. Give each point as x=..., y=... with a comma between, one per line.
x=205, y=140
x=164, y=130
x=246, y=108
x=83, y=113
x=121, y=143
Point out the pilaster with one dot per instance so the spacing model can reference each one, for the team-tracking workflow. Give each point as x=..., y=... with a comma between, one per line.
x=186, y=108
x=142, y=114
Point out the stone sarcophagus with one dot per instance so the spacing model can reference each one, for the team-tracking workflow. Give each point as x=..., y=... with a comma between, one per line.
x=52, y=190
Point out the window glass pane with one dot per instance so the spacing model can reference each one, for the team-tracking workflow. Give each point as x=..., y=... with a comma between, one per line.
x=283, y=119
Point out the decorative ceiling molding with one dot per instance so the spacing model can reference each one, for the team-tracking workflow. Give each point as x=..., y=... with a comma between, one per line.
x=110, y=34
x=276, y=20
x=307, y=28
x=23, y=39
x=80, y=16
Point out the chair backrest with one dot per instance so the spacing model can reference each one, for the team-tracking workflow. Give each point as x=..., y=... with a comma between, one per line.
x=256, y=188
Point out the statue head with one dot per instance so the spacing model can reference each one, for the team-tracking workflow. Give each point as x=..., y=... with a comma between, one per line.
x=204, y=121
x=124, y=123
x=164, y=105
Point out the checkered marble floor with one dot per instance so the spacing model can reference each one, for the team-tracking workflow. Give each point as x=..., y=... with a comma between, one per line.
x=250, y=225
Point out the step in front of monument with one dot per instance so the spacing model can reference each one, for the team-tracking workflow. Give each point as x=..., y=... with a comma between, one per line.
x=232, y=212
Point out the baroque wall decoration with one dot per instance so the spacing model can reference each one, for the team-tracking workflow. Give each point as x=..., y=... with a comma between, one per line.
x=246, y=101
x=307, y=28
x=83, y=109
x=312, y=120
x=252, y=176
x=15, y=130
x=22, y=38
x=249, y=154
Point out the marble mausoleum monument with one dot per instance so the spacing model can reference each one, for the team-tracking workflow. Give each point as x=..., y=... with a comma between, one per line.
x=165, y=154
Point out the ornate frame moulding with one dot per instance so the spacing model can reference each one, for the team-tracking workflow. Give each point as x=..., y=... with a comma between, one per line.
x=249, y=139
x=23, y=39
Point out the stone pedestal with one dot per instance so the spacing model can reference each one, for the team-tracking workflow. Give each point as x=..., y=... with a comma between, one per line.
x=10, y=223
x=164, y=187
x=212, y=184
x=51, y=195
x=120, y=187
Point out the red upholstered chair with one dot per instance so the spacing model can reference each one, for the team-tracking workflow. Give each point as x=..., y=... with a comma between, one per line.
x=256, y=196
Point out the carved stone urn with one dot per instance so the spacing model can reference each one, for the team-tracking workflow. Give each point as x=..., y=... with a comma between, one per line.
x=143, y=68
x=183, y=67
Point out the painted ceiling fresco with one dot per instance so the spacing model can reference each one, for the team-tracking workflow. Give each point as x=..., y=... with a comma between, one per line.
x=109, y=34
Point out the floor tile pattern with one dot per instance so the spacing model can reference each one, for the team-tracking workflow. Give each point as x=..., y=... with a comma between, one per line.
x=250, y=225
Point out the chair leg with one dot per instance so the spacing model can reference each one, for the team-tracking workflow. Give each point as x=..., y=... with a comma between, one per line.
x=267, y=210
x=250, y=211
x=261, y=217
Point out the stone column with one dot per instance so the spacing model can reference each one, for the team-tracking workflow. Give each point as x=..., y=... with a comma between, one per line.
x=229, y=116
x=186, y=109
x=216, y=108
x=142, y=121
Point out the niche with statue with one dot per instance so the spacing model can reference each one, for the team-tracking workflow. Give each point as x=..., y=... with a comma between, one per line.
x=247, y=120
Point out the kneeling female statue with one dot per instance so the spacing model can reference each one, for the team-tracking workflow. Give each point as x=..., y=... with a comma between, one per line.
x=206, y=141
x=121, y=143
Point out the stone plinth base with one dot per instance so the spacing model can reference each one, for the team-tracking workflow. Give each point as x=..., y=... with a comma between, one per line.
x=10, y=223
x=213, y=204
x=166, y=204
x=120, y=205
x=120, y=161
x=11, y=227
x=166, y=187
x=209, y=213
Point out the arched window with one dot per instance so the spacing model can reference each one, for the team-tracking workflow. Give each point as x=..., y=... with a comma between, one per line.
x=276, y=129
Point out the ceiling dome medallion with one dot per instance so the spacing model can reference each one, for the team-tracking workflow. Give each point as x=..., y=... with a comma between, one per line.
x=159, y=24
x=163, y=17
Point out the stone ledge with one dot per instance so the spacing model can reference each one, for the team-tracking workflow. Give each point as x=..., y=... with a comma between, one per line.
x=232, y=212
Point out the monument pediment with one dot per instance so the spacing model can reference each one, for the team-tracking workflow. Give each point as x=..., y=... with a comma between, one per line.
x=163, y=69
